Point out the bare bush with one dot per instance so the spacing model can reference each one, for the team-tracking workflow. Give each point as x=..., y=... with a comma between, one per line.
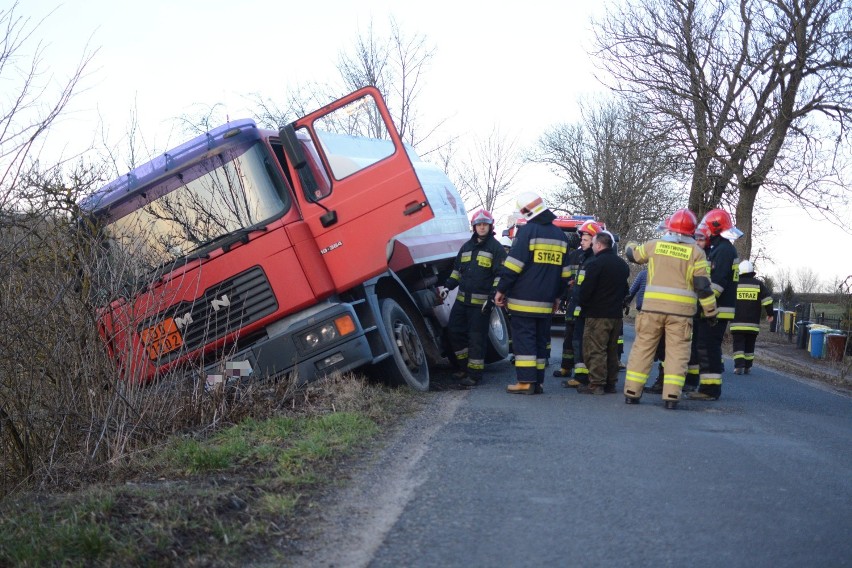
x=66, y=412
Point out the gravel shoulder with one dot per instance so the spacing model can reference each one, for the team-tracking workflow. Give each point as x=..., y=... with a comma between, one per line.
x=350, y=522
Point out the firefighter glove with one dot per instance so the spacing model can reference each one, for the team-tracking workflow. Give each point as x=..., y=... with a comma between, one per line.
x=443, y=292
x=489, y=303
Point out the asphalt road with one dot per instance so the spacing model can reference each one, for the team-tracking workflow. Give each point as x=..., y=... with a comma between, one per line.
x=759, y=478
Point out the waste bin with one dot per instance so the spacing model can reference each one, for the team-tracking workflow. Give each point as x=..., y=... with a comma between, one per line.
x=789, y=318
x=817, y=342
x=835, y=346
x=802, y=336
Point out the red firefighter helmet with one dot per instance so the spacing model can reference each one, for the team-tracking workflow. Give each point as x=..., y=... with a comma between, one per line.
x=682, y=222
x=719, y=221
x=481, y=216
x=590, y=228
x=701, y=231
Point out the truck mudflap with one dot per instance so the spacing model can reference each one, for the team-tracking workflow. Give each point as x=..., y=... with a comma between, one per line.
x=323, y=341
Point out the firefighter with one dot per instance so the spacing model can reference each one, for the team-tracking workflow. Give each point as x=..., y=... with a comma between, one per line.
x=752, y=296
x=587, y=232
x=677, y=277
x=702, y=239
x=533, y=277
x=574, y=255
x=474, y=273
x=724, y=274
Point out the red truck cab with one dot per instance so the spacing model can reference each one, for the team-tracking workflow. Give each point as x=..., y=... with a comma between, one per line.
x=248, y=252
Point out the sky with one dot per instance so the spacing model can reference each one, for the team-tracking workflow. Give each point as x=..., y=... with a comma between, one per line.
x=520, y=67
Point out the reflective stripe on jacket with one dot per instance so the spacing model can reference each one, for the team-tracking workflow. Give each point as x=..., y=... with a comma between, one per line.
x=536, y=270
x=724, y=275
x=753, y=297
x=475, y=269
x=675, y=266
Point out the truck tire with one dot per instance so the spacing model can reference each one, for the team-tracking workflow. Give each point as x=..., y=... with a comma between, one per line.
x=407, y=362
x=497, y=348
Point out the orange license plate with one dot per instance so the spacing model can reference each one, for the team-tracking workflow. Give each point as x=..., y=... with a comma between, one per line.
x=162, y=338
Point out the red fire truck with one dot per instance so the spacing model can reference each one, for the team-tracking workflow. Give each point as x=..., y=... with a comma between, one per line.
x=253, y=253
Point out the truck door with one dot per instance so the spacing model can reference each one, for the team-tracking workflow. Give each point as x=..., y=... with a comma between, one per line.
x=359, y=188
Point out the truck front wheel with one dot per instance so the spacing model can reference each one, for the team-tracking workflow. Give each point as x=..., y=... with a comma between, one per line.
x=407, y=362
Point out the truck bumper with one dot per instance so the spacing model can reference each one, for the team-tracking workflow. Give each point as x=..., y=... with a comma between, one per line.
x=283, y=352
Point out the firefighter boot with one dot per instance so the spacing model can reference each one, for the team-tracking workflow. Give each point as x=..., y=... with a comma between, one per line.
x=470, y=381
x=522, y=388
x=671, y=404
x=698, y=395
x=562, y=372
x=631, y=396
x=591, y=388
x=657, y=387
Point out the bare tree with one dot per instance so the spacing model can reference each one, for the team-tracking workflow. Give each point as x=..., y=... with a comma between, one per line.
x=806, y=280
x=27, y=113
x=395, y=64
x=489, y=170
x=740, y=86
x=611, y=167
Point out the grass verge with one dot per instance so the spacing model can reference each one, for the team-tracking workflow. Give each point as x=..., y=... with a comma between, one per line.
x=229, y=497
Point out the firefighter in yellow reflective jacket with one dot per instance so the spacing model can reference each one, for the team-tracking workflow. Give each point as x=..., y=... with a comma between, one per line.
x=752, y=297
x=533, y=277
x=677, y=277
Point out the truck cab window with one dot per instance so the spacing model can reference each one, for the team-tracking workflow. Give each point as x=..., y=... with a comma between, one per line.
x=191, y=210
x=348, y=137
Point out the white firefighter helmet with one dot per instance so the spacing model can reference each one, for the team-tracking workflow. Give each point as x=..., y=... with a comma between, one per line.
x=530, y=204
x=506, y=242
x=746, y=267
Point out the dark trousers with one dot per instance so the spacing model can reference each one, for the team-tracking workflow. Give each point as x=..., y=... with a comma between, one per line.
x=581, y=372
x=529, y=339
x=600, y=349
x=743, y=345
x=468, y=331
x=568, y=346
x=710, y=356
x=692, y=366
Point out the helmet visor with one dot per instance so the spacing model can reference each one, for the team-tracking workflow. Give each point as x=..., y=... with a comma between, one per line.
x=732, y=234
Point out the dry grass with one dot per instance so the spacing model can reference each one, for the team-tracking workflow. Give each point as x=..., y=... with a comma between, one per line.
x=213, y=497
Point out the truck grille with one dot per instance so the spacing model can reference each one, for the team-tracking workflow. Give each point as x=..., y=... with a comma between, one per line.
x=222, y=309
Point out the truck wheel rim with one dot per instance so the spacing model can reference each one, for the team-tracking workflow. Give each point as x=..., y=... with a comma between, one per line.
x=409, y=346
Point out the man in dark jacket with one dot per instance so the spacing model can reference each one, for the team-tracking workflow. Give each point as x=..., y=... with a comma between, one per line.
x=475, y=273
x=601, y=296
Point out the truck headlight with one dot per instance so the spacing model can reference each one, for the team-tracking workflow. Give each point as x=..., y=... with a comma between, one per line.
x=311, y=339
x=329, y=332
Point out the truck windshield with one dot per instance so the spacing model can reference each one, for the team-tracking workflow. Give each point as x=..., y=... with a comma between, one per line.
x=200, y=205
